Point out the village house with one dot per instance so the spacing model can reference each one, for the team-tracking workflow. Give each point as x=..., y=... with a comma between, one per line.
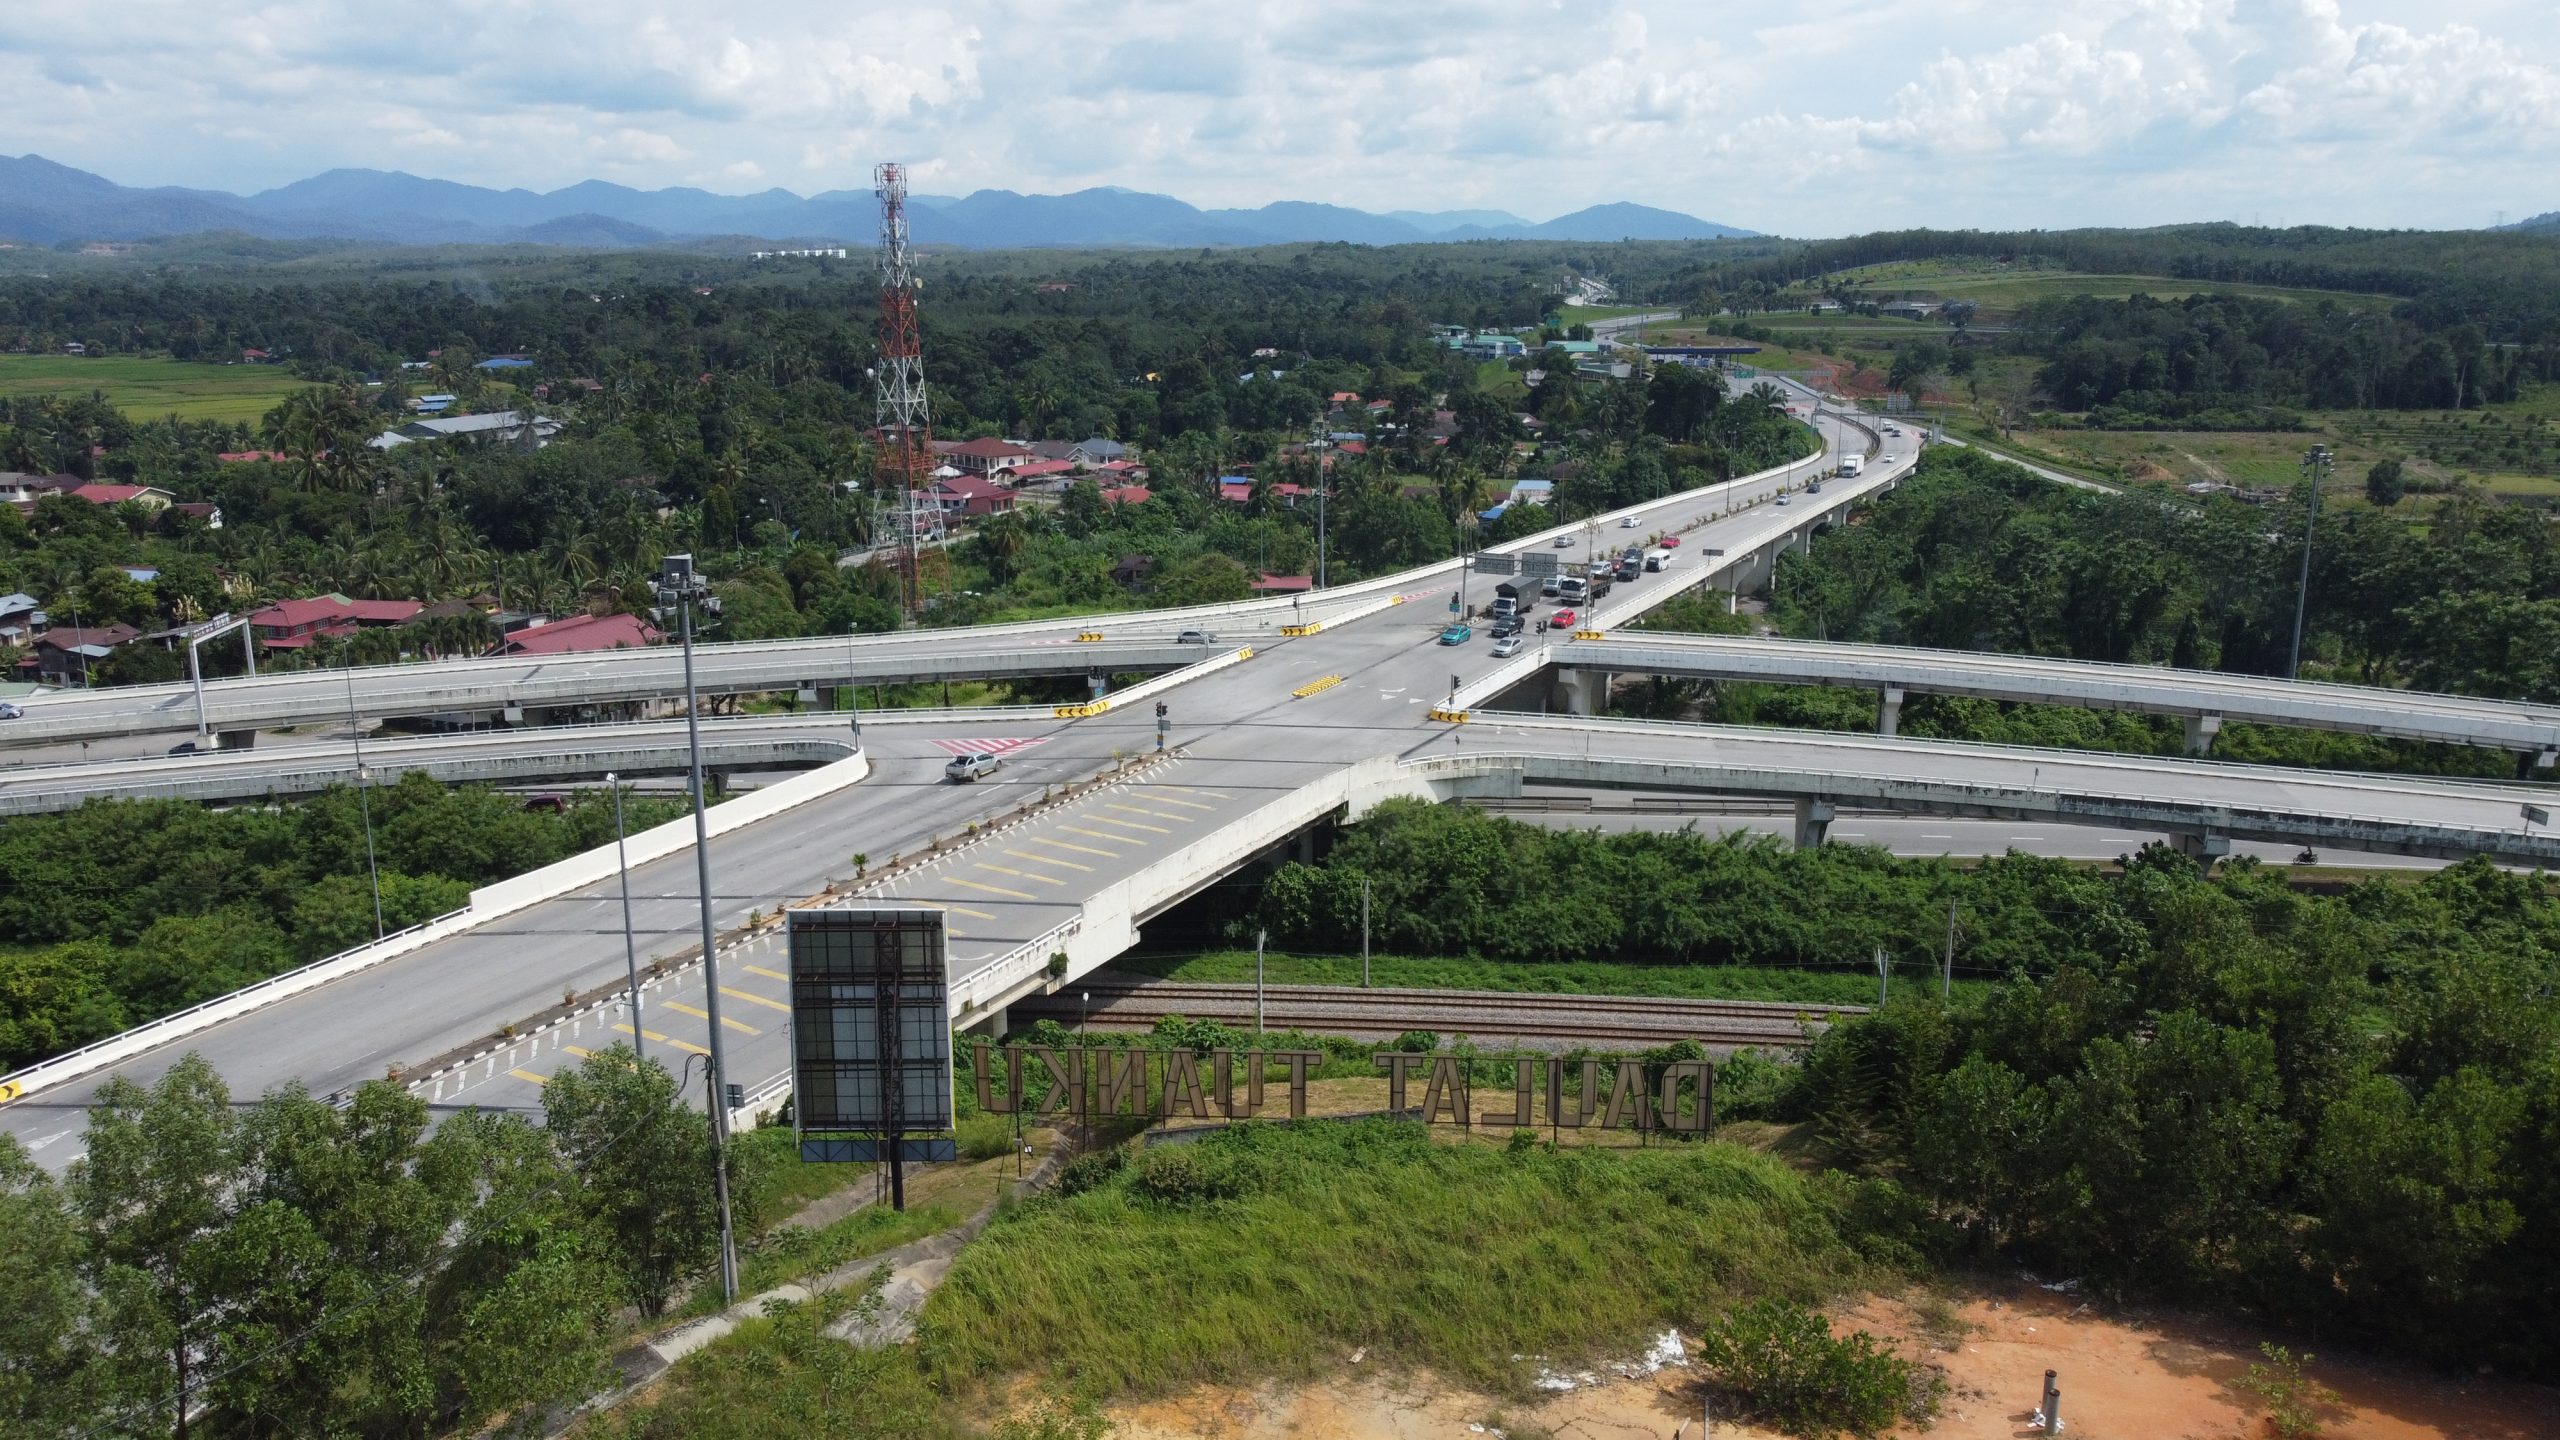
x=295, y=624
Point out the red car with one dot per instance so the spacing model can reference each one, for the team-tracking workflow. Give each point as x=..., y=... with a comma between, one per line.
x=1561, y=620
x=1670, y=542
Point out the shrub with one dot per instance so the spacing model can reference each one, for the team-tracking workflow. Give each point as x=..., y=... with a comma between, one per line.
x=1782, y=1361
x=1182, y=1175
x=2292, y=1398
x=1091, y=1170
x=983, y=1137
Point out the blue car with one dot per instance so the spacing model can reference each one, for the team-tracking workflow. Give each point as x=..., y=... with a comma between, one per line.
x=1457, y=635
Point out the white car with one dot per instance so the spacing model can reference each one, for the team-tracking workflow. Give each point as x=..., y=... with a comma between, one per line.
x=1507, y=646
x=1564, y=542
x=1627, y=523
x=970, y=767
x=11, y=712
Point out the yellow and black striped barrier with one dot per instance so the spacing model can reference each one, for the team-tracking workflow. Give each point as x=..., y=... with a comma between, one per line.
x=1451, y=717
x=1087, y=637
x=1316, y=686
x=1307, y=629
x=1586, y=634
x=1080, y=712
x=10, y=1090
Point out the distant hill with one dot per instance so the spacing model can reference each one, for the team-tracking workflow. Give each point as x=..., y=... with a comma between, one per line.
x=2547, y=220
x=46, y=203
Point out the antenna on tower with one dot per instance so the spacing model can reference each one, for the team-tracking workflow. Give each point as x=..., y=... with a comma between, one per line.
x=900, y=412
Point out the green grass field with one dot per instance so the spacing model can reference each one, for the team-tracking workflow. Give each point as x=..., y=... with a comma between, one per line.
x=2000, y=291
x=152, y=389
x=1593, y=314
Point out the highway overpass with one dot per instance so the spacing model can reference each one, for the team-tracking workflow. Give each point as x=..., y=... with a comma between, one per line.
x=1313, y=727
x=2205, y=699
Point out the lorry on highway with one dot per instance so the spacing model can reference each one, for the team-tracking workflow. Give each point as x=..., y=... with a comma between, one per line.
x=1850, y=465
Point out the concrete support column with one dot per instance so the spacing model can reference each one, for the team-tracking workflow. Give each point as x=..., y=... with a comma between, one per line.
x=1813, y=822
x=1889, y=711
x=996, y=1020
x=1577, y=691
x=2203, y=849
x=235, y=739
x=1304, y=847
x=2200, y=732
x=2547, y=758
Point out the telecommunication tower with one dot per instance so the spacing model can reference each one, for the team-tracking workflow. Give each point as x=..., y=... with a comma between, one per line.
x=901, y=413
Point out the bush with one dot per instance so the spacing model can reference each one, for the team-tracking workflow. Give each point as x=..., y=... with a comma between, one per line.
x=984, y=1137
x=1782, y=1361
x=1182, y=1175
x=1091, y=1170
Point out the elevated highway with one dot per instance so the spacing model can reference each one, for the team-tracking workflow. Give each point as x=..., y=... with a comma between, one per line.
x=1262, y=755
x=2206, y=699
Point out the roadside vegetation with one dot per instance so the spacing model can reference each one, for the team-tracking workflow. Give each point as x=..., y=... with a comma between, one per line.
x=1851, y=982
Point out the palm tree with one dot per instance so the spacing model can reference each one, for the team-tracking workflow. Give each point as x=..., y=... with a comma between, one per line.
x=1768, y=396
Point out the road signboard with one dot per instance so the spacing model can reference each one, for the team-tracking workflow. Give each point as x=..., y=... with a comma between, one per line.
x=1492, y=564
x=2536, y=815
x=871, y=1034
x=1538, y=564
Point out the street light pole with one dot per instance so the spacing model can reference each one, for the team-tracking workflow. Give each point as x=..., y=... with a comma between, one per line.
x=364, y=801
x=630, y=945
x=680, y=587
x=2315, y=467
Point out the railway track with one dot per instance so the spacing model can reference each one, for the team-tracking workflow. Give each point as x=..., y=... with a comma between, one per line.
x=1560, y=1021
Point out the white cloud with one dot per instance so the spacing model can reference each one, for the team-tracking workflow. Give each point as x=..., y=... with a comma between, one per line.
x=1832, y=115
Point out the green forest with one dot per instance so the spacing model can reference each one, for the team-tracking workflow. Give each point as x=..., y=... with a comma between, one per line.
x=2333, y=1110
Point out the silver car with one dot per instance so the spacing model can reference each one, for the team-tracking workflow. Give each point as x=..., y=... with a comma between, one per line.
x=970, y=767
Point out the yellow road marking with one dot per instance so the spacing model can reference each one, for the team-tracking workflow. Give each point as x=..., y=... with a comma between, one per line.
x=1191, y=790
x=754, y=999
x=965, y=910
x=1099, y=835
x=768, y=974
x=529, y=1075
x=1070, y=845
x=580, y=1051
x=1186, y=804
x=1133, y=824
x=993, y=889
x=682, y=1008
x=1018, y=874
x=1045, y=859
x=685, y=1045
x=1159, y=814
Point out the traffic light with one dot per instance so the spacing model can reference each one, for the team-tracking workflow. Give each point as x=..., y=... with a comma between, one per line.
x=1160, y=710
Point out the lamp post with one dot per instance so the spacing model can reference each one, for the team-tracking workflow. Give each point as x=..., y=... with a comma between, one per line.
x=630, y=945
x=2315, y=468
x=681, y=589
x=364, y=801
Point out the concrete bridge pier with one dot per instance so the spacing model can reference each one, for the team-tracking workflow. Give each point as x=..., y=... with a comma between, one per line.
x=235, y=740
x=2204, y=848
x=2527, y=762
x=1889, y=711
x=1813, y=823
x=1581, y=692
x=2200, y=732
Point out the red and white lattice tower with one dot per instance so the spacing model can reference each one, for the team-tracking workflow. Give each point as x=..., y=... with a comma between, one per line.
x=902, y=415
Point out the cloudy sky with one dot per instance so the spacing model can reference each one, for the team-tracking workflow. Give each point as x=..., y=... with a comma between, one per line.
x=1816, y=117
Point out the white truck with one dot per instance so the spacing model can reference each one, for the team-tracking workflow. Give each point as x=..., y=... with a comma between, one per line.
x=1851, y=465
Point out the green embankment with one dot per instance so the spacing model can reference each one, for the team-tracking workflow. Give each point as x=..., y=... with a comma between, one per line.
x=153, y=389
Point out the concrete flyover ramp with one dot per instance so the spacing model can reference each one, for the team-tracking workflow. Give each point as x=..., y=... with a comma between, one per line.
x=2206, y=804
x=2206, y=699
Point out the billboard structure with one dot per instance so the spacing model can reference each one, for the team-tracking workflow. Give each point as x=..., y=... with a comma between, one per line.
x=871, y=1037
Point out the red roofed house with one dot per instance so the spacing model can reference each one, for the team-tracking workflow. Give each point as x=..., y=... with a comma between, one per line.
x=1346, y=397
x=1036, y=470
x=1126, y=495
x=580, y=633
x=977, y=457
x=149, y=497
x=1283, y=584
x=294, y=624
x=972, y=495
x=63, y=655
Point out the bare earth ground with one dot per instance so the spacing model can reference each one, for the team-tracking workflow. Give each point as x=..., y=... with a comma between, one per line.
x=2124, y=1376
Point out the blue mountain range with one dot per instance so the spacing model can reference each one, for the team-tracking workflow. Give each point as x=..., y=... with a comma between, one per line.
x=44, y=203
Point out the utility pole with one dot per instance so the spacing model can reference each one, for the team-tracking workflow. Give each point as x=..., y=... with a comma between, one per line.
x=1324, y=491
x=682, y=589
x=1258, y=937
x=1364, y=932
x=364, y=800
x=1947, y=972
x=1884, y=976
x=630, y=944
x=2315, y=468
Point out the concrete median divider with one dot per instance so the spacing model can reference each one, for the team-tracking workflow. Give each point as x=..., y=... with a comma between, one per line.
x=487, y=903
